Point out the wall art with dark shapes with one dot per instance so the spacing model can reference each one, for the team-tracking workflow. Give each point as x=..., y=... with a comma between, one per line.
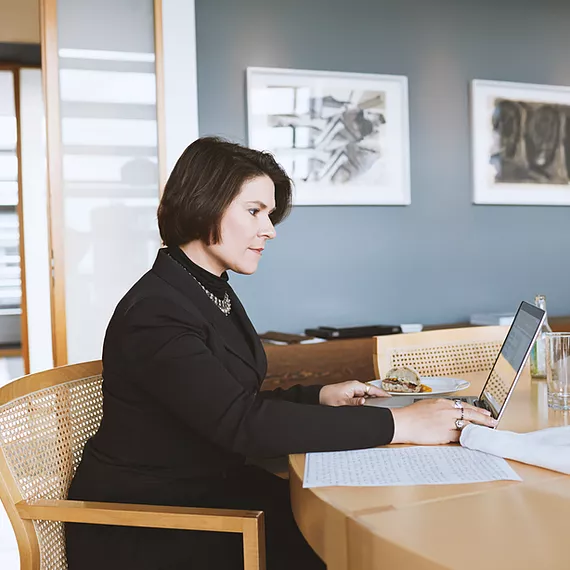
x=521, y=143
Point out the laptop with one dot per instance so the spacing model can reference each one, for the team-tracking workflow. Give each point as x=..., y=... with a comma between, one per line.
x=505, y=372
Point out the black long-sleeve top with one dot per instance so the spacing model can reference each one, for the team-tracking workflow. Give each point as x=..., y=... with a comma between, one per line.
x=181, y=391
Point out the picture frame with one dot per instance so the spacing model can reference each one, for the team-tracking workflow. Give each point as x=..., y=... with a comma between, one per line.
x=520, y=143
x=343, y=138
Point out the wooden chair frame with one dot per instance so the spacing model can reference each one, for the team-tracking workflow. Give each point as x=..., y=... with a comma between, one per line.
x=22, y=513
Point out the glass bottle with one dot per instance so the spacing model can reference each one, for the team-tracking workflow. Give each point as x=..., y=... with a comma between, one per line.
x=538, y=351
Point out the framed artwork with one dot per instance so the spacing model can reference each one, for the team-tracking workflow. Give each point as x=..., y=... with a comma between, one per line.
x=343, y=138
x=520, y=143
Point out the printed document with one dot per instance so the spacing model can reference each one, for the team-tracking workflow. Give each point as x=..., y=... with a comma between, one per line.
x=404, y=466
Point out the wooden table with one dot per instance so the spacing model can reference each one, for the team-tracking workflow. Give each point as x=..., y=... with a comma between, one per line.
x=496, y=525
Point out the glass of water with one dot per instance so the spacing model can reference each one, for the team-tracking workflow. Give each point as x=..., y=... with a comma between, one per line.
x=558, y=370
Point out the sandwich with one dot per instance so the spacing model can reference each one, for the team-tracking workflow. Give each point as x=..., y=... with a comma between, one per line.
x=402, y=379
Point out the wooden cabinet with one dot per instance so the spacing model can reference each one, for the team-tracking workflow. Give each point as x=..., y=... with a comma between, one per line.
x=337, y=360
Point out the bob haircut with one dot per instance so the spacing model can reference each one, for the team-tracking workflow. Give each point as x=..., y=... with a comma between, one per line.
x=204, y=182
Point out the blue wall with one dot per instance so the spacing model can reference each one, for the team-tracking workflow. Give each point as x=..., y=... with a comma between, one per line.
x=442, y=258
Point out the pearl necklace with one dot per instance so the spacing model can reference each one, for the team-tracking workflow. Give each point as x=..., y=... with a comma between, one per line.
x=225, y=304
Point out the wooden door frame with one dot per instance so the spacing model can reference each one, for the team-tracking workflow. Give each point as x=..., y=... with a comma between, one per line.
x=160, y=106
x=24, y=351
x=21, y=246
x=50, y=67
x=50, y=79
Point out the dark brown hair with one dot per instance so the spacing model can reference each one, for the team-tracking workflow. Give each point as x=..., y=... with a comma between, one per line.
x=205, y=180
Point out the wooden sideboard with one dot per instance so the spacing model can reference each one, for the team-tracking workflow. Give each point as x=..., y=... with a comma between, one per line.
x=337, y=360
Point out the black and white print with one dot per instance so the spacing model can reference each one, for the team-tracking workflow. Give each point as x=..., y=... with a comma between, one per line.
x=342, y=138
x=520, y=143
x=336, y=137
x=532, y=142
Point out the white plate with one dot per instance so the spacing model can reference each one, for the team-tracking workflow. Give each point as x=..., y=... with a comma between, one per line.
x=439, y=385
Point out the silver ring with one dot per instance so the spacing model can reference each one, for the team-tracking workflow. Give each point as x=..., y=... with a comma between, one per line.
x=366, y=388
x=462, y=413
x=459, y=424
x=458, y=404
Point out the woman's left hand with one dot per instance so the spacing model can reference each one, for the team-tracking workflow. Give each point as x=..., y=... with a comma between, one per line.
x=350, y=393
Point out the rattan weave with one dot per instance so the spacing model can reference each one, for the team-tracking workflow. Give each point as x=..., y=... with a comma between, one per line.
x=42, y=436
x=498, y=388
x=448, y=359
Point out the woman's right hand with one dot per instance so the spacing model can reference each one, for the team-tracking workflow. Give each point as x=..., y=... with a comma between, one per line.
x=432, y=422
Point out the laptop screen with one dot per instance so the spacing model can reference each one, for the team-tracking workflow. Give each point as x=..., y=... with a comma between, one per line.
x=512, y=357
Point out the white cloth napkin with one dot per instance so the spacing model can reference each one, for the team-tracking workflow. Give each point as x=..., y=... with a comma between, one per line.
x=548, y=448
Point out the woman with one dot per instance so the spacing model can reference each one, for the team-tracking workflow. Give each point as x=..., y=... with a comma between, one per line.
x=182, y=367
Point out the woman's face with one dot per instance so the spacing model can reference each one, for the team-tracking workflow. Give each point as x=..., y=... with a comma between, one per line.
x=245, y=227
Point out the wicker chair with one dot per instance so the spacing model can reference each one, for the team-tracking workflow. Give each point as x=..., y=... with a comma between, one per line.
x=45, y=420
x=447, y=352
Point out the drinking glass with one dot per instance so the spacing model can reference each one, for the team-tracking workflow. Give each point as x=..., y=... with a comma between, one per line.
x=558, y=370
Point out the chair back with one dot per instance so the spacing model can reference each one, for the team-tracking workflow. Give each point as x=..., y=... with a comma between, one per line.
x=447, y=352
x=45, y=420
